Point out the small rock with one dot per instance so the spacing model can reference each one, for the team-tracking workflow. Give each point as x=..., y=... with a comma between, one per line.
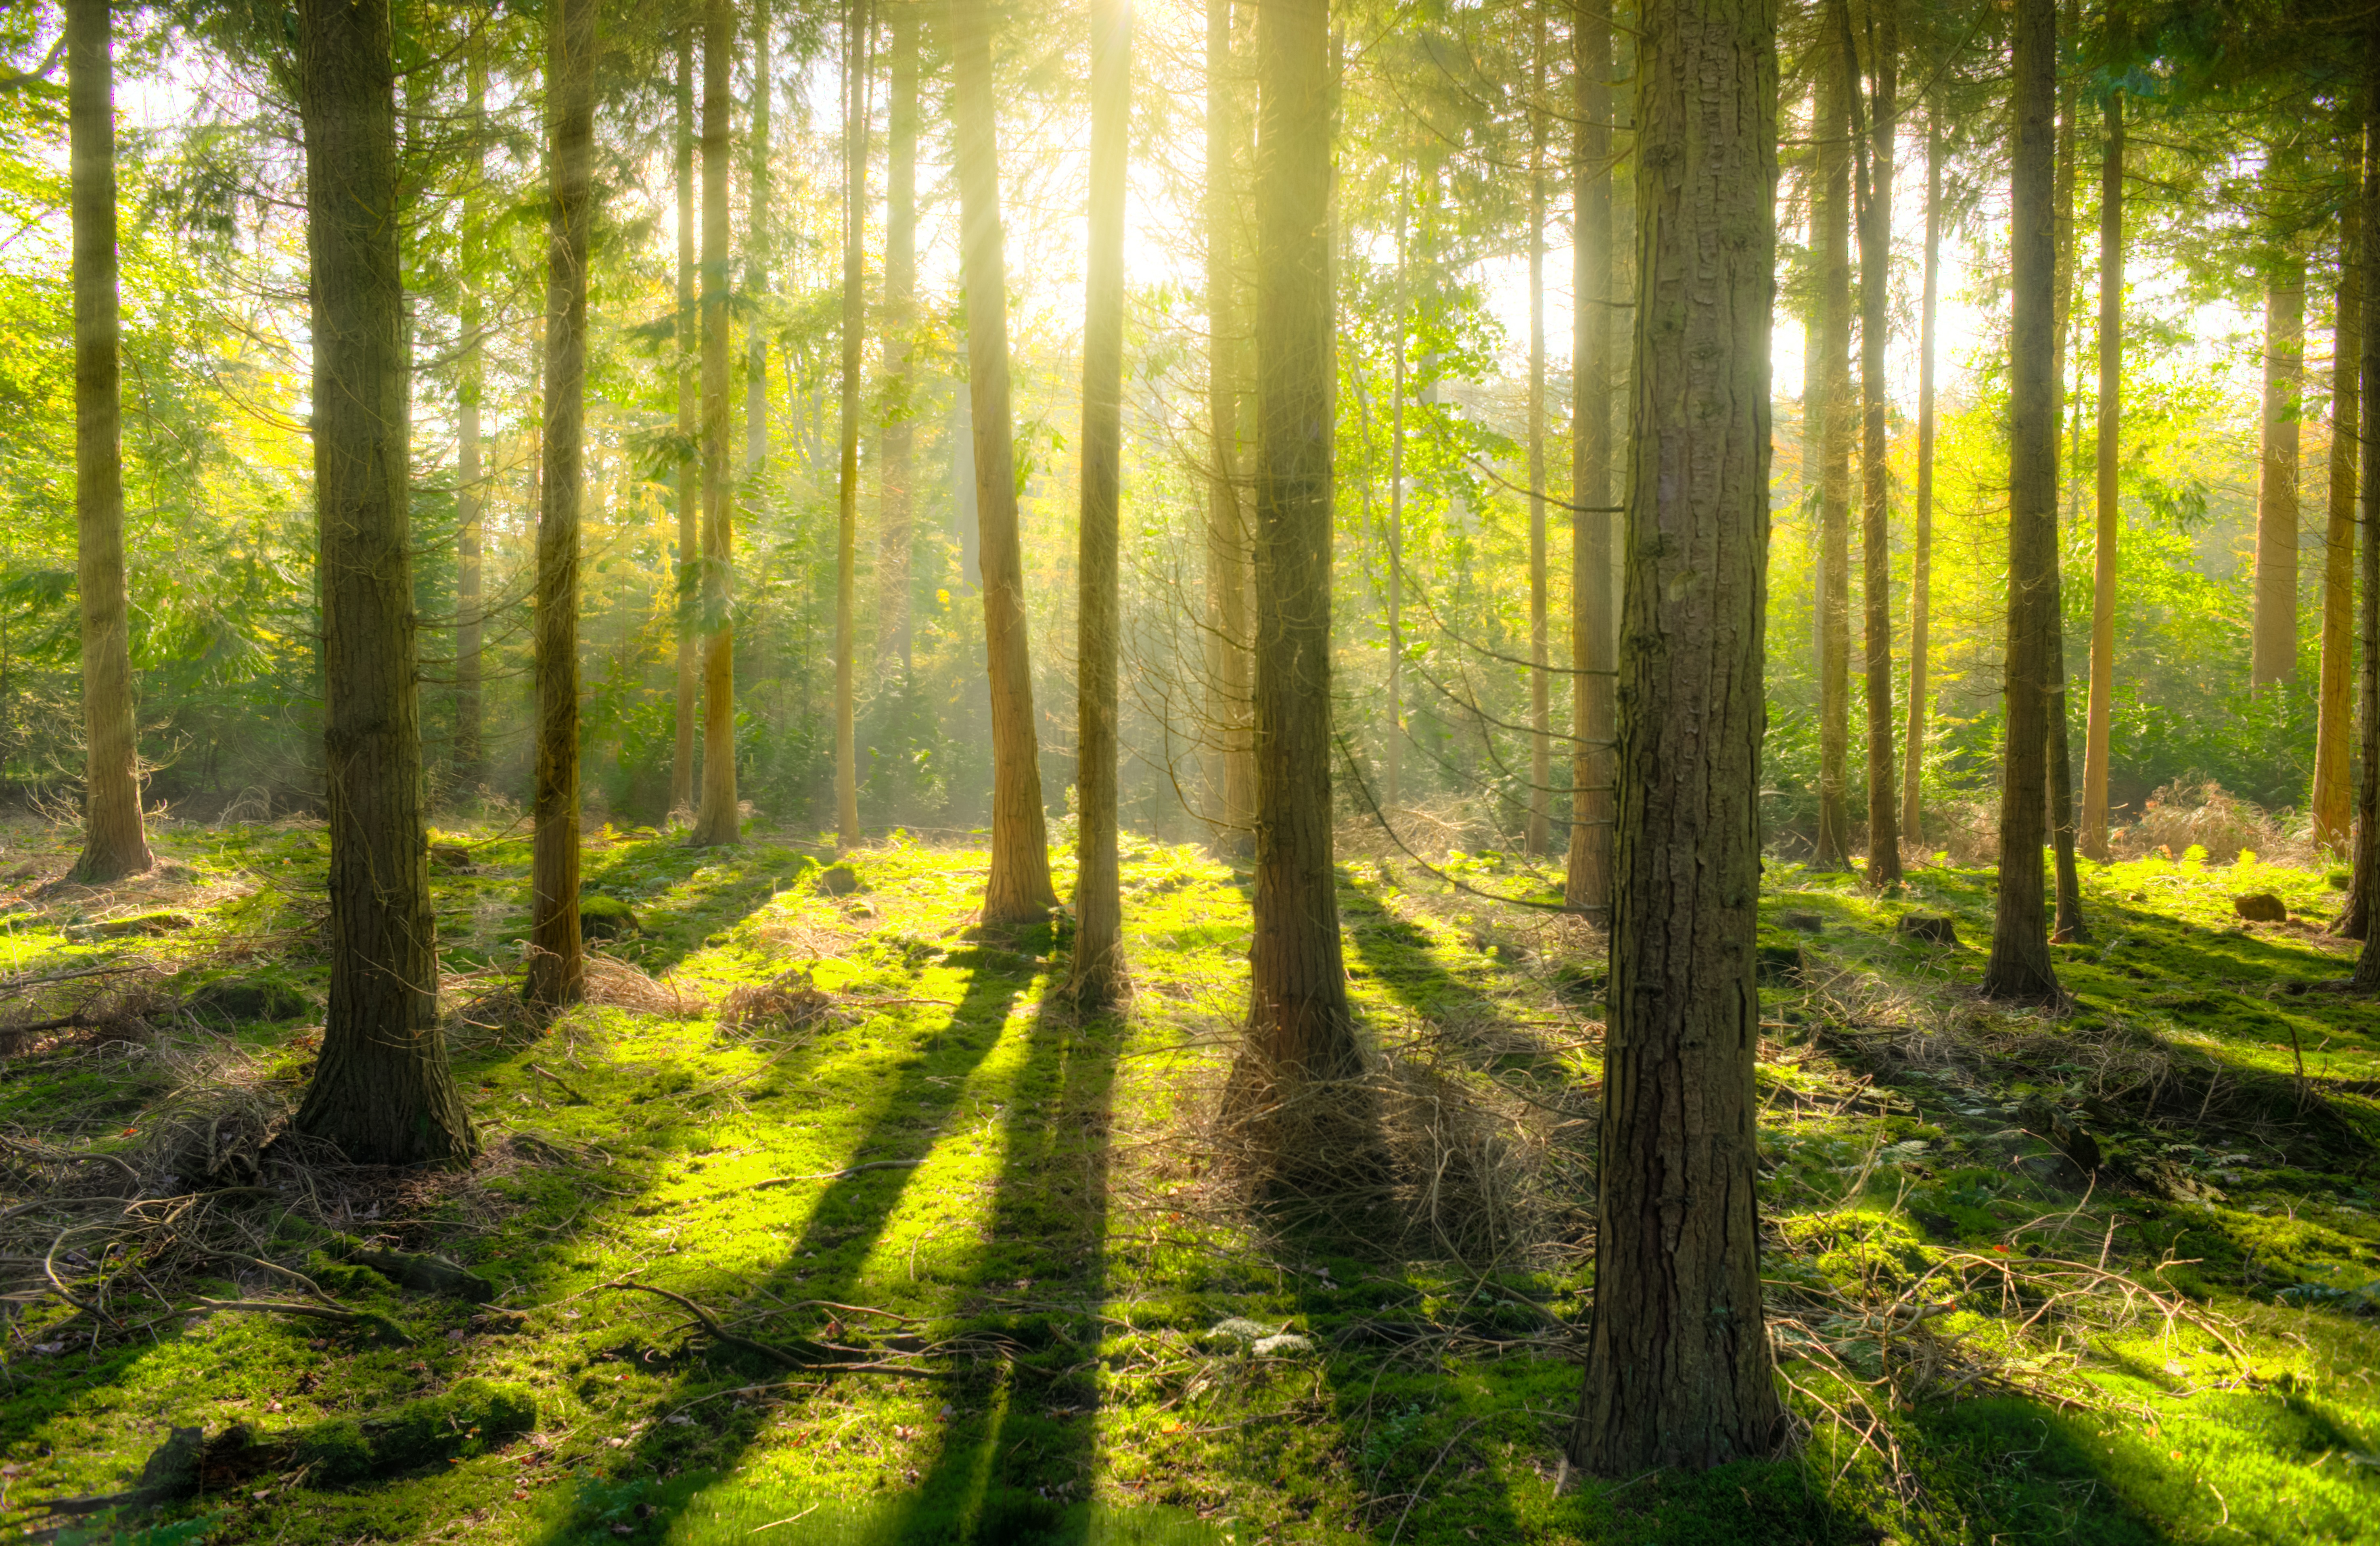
x=1930, y=928
x=2260, y=906
x=451, y=856
x=839, y=880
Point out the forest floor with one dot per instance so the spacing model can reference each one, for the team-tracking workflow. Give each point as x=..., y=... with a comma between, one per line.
x=2107, y=1276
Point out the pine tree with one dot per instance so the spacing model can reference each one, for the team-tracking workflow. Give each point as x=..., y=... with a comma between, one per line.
x=718, y=822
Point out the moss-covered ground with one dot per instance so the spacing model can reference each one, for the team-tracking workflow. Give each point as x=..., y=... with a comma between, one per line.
x=1012, y=1215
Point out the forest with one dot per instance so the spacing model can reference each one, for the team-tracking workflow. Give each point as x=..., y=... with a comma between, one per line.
x=1189, y=774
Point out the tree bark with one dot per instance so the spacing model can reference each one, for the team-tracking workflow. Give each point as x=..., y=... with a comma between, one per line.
x=2110, y=518
x=2332, y=783
x=898, y=442
x=115, y=842
x=2020, y=966
x=859, y=29
x=2274, y=645
x=1678, y=1372
x=470, y=492
x=1920, y=556
x=1232, y=772
x=2367, y=791
x=1393, y=754
x=2069, y=926
x=1300, y=1026
x=1541, y=740
x=689, y=534
x=756, y=243
x=1019, y=891
x=557, y=959
x=1593, y=644
x=1099, y=961
x=381, y=1089
x=1831, y=210
x=1876, y=487
x=719, y=822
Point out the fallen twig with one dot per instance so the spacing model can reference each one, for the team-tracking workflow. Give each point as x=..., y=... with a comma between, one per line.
x=843, y=1174
x=785, y=1359
x=561, y=1084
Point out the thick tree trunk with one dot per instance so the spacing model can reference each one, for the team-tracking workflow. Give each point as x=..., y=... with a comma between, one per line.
x=2110, y=518
x=1831, y=210
x=114, y=840
x=718, y=822
x=1541, y=740
x=1678, y=1372
x=1098, y=969
x=557, y=960
x=381, y=1089
x=756, y=243
x=470, y=489
x=683, y=486
x=1300, y=1026
x=2273, y=644
x=2019, y=966
x=2059, y=774
x=1875, y=486
x=1921, y=547
x=1019, y=891
x=2367, y=790
x=858, y=28
x=2334, y=790
x=898, y=444
x=1230, y=766
x=1593, y=643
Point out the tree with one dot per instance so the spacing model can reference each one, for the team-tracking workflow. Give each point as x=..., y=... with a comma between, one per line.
x=470, y=488
x=1233, y=770
x=114, y=843
x=2367, y=790
x=1921, y=542
x=859, y=29
x=2110, y=515
x=1593, y=645
x=381, y=1089
x=2274, y=631
x=897, y=444
x=1679, y=1369
x=1541, y=744
x=557, y=959
x=1392, y=757
x=1830, y=202
x=2333, y=787
x=1018, y=890
x=1099, y=966
x=1300, y=1029
x=718, y=822
x=684, y=482
x=755, y=252
x=1874, y=189
x=2059, y=774
x=2020, y=966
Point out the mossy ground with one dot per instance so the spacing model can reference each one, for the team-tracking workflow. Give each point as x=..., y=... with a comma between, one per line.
x=1061, y=1241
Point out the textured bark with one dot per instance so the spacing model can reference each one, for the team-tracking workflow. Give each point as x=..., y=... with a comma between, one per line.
x=1393, y=751
x=381, y=1089
x=2273, y=644
x=1541, y=740
x=557, y=957
x=1875, y=485
x=1300, y=1026
x=470, y=491
x=1921, y=547
x=2020, y=966
x=114, y=841
x=1593, y=644
x=756, y=254
x=2334, y=729
x=1831, y=211
x=1098, y=963
x=897, y=444
x=1018, y=890
x=718, y=821
x=858, y=27
x=2367, y=685
x=1232, y=769
x=2058, y=744
x=1678, y=1372
x=689, y=532
x=2110, y=518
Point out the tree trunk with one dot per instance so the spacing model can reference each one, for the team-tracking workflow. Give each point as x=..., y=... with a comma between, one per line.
x=114, y=841
x=2367, y=791
x=381, y=1089
x=1593, y=643
x=1831, y=210
x=1541, y=741
x=898, y=442
x=1678, y=1372
x=2333, y=787
x=756, y=243
x=2019, y=966
x=557, y=962
x=1232, y=774
x=1019, y=891
x=470, y=493
x=2274, y=645
x=689, y=535
x=2110, y=520
x=1098, y=969
x=1875, y=509
x=1300, y=1026
x=2059, y=774
x=1393, y=758
x=719, y=821
x=858, y=25
x=1921, y=556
